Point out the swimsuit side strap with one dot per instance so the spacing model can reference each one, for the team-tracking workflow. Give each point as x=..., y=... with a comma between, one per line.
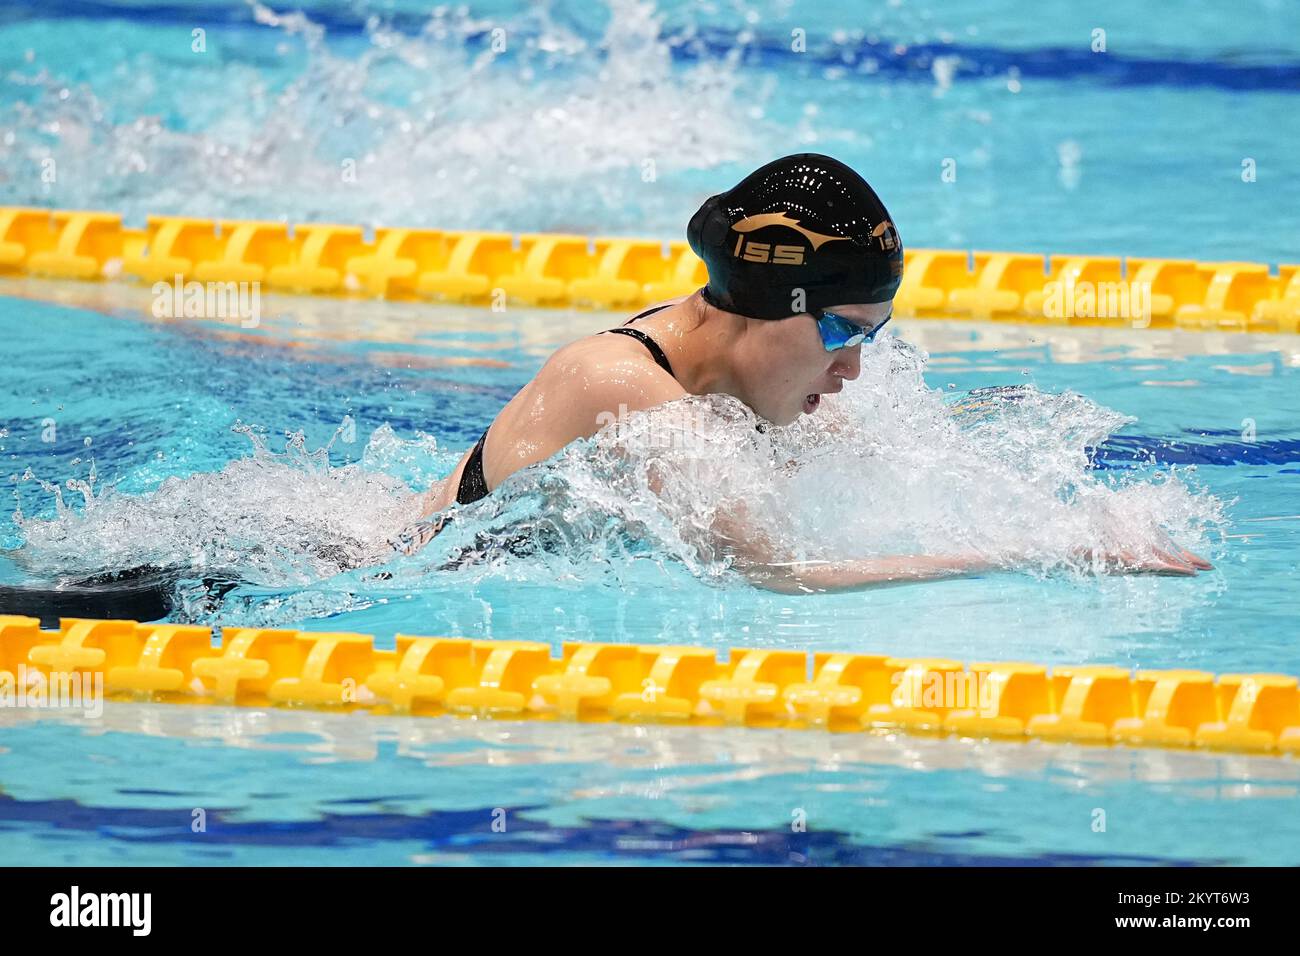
x=473, y=483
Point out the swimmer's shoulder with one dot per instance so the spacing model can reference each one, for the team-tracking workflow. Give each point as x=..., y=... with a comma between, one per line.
x=586, y=381
x=582, y=387
x=606, y=362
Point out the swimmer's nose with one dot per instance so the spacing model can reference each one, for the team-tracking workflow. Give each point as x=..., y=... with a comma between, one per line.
x=848, y=363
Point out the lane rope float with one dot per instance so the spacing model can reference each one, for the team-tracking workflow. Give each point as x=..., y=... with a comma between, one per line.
x=552, y=269
x=642, y=683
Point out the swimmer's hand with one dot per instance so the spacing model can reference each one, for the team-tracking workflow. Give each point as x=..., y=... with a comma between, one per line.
x=1168, y=560
x=415, y=536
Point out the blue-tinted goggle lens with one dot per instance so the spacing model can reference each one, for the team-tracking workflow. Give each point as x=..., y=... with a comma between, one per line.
x=839, y=333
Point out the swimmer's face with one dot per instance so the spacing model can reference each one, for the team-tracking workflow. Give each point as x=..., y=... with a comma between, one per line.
x=796, y=366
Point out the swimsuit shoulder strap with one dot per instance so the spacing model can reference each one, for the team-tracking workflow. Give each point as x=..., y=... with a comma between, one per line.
x=655, y=351
x=642, y=315
x=660, y=358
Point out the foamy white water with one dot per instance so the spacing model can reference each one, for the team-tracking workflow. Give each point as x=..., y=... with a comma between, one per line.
x=458, y=126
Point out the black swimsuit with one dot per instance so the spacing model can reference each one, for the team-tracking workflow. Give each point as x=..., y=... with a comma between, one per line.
x=473, y=484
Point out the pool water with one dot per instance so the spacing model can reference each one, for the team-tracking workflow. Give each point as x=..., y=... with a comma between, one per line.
x=158, y=399
x=268, y=452
x=620, y=118
x=280, y=787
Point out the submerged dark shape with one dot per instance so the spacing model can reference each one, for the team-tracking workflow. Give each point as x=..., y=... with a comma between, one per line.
x=145, y=593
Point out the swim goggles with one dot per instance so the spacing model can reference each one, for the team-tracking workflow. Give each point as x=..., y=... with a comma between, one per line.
x=839, y=333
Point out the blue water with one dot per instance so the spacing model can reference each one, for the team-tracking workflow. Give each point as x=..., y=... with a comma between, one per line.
x=289, y=788
x=1138, y=152
x=621, y=118
x=122, y=788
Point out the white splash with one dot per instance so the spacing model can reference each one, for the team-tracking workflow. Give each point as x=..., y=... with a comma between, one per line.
x=514, y=123
x=276, y=519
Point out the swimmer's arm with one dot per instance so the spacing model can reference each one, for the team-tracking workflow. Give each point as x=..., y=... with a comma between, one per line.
x=818, y=577
x=763, y=565
x=808, y=577
x=762, y=568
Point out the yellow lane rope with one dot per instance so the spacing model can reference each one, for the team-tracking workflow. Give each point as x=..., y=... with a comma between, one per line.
x=613, y=273
x=689, y=686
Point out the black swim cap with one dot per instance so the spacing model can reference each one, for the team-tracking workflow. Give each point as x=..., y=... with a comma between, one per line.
x=805, y=222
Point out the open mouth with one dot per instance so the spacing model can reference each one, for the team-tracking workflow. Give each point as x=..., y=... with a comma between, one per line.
x=810, y=402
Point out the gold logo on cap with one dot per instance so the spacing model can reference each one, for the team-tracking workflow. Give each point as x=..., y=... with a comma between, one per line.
x=885, y=233
x=750, y=223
